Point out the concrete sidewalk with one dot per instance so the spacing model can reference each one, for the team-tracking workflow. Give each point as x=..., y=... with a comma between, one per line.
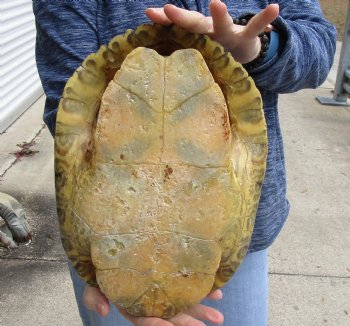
x=309, y=262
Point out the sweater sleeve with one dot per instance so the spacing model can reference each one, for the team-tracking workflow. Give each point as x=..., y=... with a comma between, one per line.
x=61, y=26
x=306, y=49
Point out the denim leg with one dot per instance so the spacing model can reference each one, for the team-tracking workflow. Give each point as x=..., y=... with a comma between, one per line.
x=89, y=317
x=245, y=296
x=245, y=300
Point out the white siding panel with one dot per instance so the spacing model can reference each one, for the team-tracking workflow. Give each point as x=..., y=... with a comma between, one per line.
x=19, y=81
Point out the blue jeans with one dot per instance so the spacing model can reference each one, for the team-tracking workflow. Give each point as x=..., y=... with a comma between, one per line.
x=244, y=303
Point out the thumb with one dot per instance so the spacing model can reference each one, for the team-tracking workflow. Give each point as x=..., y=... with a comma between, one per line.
x=95, y=300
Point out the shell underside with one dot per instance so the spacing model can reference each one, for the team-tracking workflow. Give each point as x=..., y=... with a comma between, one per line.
x=167, y=207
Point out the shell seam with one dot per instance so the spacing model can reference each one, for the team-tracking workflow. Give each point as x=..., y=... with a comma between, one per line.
x=151, y=271
x=165, y=163
x=137, y=95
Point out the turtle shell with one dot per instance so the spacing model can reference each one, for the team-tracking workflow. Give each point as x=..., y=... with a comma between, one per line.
x=160, y=153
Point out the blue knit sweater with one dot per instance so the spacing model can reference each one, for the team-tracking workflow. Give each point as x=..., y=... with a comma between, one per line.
x=69, y=30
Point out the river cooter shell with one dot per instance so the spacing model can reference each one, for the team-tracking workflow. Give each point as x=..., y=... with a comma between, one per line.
x=160, y=154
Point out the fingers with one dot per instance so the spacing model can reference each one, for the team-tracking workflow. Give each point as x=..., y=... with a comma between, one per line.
x=95, y=300
x=203, y=312
x=158, y=16
x=192, y=21
x=222, y=21
x=219, y=23
x=149, y=321
x=199, y=311
x=185, y=319
x=144, y=321
x=259, y=22
x=215, y=295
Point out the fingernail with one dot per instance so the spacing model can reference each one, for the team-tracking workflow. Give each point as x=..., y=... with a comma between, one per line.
x=99, y=308
x=217, y=318
x=218, y=294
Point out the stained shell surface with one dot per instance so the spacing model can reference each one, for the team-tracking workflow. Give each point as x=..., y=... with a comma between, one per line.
x=160, y=154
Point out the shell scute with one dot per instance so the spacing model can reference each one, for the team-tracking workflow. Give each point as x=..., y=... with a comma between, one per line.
x=227, y=71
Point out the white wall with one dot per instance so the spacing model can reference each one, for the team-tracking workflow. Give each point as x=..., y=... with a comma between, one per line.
x=19, y=81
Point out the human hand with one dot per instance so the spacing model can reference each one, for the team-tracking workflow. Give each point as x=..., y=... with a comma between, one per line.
x=95, y=300
x=242, y=41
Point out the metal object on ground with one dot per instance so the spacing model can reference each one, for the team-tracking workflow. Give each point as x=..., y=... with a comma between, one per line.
x=342, y=84
x=15, y=230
